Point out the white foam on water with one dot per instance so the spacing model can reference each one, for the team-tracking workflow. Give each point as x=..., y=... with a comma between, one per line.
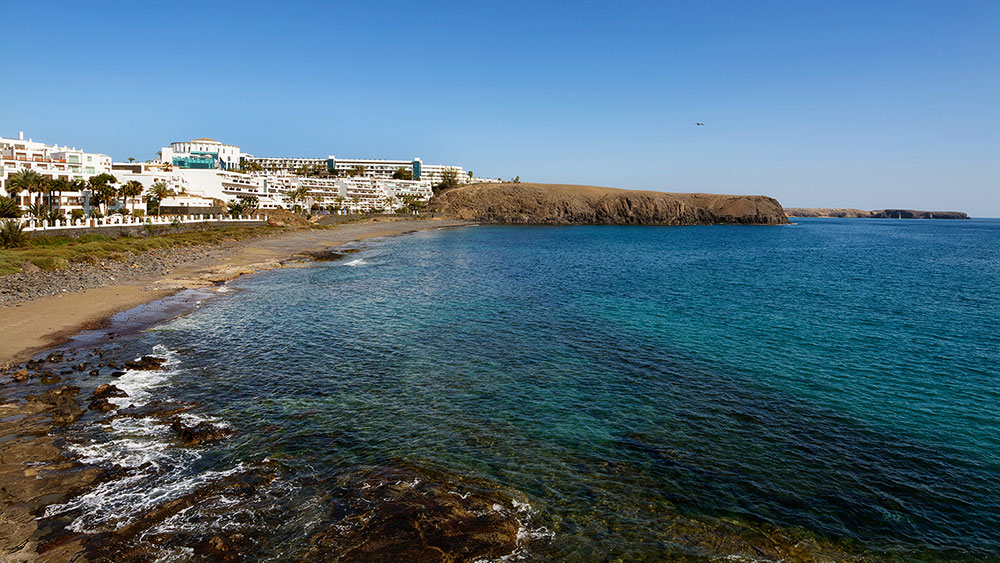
x=356, y=262
x=154, y=470
x=140, y=383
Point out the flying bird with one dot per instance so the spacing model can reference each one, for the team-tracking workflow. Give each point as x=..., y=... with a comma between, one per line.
x=696, y=123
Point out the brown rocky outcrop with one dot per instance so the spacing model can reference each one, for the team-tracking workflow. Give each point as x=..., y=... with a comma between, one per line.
x=557, y=204
x=402, y=515
x=876, y=214
x=200, y=433
x=146, y=363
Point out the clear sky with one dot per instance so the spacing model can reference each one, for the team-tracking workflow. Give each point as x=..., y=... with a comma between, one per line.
x=866, y=104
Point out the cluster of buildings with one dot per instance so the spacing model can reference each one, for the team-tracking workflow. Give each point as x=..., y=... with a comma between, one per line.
x=205, y=174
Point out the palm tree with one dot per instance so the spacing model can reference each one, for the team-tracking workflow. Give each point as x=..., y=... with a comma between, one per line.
x=103, y=192
x=298, y=194
x=159, y=191
x=59, y=185
x=130, y=190
x=25, y=180
x=131, y=159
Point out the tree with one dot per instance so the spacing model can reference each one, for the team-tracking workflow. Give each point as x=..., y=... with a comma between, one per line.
x=517, y=179
x=38, y=211
x=102, y=189
x=298, y=195
x=402, y=174
x=359, y=171
x=251, y=204
x=413, y=203
x=157, y=193
x=59, y=185
x=449, y=179
x=130, y=190
x=131, y=159
x=26, y=180
x=9, y=209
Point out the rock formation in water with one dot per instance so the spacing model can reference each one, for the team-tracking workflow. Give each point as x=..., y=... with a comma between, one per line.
x=556, y=204
x=875, y=214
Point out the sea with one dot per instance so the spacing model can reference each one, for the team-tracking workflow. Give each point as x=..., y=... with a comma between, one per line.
x=645, y=393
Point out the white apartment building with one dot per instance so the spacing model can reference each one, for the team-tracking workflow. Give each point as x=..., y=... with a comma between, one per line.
x=148, y=174
x=203, y=153
x=54, y=161
x=355, y=194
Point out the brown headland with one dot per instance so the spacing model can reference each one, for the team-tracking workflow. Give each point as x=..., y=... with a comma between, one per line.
x=849, y=213
x=561, y=204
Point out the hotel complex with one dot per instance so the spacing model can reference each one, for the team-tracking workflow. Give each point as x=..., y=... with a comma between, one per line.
x=205, y=174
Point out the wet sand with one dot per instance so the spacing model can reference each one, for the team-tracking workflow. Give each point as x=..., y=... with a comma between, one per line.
x=35, y=326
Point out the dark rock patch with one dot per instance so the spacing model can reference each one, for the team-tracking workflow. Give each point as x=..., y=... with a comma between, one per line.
x=146, y=363
x=199, y=433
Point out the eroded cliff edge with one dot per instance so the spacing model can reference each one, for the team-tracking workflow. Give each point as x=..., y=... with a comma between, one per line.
x=558, y=204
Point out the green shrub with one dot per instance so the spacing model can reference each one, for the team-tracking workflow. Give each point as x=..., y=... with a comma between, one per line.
x=9, y=208
x=77, y=214
x=12, y=234
x=138, y=212
x=49, y=262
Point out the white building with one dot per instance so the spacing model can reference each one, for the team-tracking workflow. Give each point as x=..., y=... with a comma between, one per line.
x=53, y=161
x=202, y=153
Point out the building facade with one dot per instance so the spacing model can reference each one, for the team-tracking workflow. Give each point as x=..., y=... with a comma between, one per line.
x=52, y=161
x=202, y=154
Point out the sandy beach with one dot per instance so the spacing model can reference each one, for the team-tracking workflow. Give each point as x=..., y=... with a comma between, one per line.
x=34, y=326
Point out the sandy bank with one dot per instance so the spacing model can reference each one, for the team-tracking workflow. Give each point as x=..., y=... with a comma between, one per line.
x=33, y=326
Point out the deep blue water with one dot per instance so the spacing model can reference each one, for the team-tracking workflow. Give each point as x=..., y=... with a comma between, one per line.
x=835, y=378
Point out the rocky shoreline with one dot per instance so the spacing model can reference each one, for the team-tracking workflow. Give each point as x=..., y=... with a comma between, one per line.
x=34, y=283
x=376, y=513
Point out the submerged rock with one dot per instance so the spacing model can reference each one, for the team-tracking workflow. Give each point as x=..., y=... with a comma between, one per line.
x=101, y=405
x=155, y=409
x=199, y=433
x=105, y=390
x=20, y=375
x=146, y=363
x=403, y=515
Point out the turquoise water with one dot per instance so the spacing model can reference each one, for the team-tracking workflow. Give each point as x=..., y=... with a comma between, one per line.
x=835, y=378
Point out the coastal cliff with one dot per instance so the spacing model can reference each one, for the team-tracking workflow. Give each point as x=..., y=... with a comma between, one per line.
x=558, y=204
x=876, y=214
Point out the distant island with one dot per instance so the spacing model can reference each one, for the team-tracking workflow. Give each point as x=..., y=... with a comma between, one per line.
x=875, y=214
x=560, y=204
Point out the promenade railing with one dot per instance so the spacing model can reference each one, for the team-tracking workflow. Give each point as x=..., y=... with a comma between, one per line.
x=129, y=221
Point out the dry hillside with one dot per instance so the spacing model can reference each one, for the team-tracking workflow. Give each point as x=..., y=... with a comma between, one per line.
x=558, y=204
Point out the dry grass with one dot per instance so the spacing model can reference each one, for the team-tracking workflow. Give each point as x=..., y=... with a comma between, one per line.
x=54, y=253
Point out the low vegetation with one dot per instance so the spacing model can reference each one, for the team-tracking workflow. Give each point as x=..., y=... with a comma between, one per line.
x=51, y=253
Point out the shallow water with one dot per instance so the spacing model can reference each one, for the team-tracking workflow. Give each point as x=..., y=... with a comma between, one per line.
x=834, y=378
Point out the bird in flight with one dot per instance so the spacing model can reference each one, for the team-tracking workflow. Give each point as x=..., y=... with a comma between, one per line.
x=696, y=123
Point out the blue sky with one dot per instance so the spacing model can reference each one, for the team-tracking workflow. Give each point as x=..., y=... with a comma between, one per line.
x=848, y=104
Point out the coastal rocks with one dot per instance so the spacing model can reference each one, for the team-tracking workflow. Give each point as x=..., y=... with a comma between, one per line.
x=199, y=433
x=62, y=404
x=403, y=515
x=554, y=204
x=146, y=363
x=155, y=409
x=20, y=375
x=105, y=391
x=139, y=540
x=101, y=405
